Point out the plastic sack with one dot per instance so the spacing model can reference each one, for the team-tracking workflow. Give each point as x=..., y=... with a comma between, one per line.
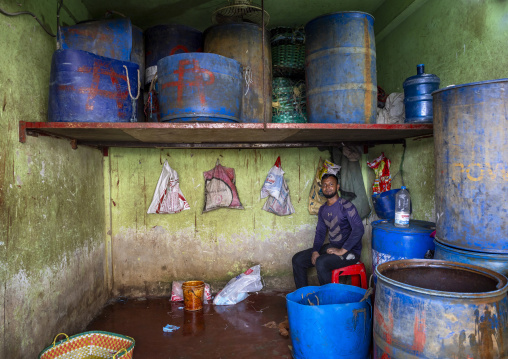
x=237, y=288
x=168, y=197
x=394, y=111
x=220, y=189
x=381, y=167
x=177, y=292
x=316, y=197
x=273, y=181
x=277, y=190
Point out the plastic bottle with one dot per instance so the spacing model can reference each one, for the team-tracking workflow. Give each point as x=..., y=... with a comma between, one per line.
x=402, y=208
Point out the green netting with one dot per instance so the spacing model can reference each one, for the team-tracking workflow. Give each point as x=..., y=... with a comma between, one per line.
x=288, y=101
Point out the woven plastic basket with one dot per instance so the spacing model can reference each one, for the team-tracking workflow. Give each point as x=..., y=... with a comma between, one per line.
x=90, y=345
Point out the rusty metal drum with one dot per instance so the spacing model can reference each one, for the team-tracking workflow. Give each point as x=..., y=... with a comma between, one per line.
x=471, y=156
x=340, y=68
x=244, y=43
x=439, y=309
x=199, y=87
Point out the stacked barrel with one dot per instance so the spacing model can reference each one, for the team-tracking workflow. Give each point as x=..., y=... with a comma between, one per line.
x=471, y=155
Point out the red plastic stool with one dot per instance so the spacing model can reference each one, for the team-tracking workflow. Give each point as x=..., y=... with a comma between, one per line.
x=357, y=273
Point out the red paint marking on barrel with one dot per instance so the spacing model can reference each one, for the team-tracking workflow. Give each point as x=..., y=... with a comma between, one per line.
x=419, y=332
x=180, y=48
x=91, y=34
x=183, y=68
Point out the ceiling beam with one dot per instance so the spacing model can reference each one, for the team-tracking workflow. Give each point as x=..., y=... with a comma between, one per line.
x=392, y=13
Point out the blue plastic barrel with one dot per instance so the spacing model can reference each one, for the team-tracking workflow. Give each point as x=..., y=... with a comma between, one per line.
x=438, y=309
x=496, y=262
x=199, y=87
x=340, y=68
x=166, y=40
x=471, y=156
x=88, y=88
x=391, y=243
x=330, y=322
x=108, y=38
x=418, y=96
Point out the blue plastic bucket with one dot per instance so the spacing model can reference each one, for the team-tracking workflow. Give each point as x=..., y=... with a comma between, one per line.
x=391, y=243
x=167, y=40
x=340, y=68
x=439, y=309
x=199, y=87
x=88, y=88
x=384, y=204
x=108, y=38
x=330, y=322
x=471, y=156
x=496, y=262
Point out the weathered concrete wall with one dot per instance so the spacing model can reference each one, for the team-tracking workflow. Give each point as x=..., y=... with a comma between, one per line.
x=459, y=41
x=51, y=199
x=151, y=250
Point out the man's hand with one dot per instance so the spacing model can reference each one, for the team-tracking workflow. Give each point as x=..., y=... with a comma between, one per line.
x=315, y=255
x=336, y=251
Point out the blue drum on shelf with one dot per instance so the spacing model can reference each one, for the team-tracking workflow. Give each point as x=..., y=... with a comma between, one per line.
x=88, y=88
x=391, y=243
x=340, y=68
x=166, y=40
x=199, y=87
x=108, y=38
x=438, y=309
x=333, y=321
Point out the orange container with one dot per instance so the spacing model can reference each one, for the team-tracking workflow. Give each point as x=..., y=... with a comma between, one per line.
x=193, y=292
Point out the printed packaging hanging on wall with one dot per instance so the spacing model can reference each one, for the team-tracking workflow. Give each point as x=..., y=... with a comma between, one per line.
x=220, y=189
x=168, y=197
x=277, y=191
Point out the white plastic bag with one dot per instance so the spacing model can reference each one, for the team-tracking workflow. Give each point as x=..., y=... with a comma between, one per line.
x=281, y=206
x=277, y=191
x=394, y=111
x=237, y=288
x=273, y=181
x=168, y=197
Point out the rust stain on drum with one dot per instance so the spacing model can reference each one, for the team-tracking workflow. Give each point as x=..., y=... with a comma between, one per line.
x=367, y=72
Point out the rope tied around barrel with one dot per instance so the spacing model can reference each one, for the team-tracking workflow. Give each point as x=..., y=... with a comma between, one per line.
x=129, y=84
x=247, y=74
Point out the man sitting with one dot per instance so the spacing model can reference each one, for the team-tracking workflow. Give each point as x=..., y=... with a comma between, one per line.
x=345, y=231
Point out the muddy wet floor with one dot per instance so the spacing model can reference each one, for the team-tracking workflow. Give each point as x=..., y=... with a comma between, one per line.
x=235, y=331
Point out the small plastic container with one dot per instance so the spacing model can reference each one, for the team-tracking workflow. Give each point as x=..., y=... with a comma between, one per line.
x=402, y=208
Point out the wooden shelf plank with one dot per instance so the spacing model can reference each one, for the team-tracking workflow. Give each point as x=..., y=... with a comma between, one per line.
x=157, y=134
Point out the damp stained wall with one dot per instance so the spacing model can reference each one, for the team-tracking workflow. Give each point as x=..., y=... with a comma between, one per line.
x=149, y=251
x=459, y=41
x=52, y=221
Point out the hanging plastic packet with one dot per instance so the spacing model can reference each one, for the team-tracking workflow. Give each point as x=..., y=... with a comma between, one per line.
x=381, y=167
x=220, y=189
x=168, y=197
x=316, y=197
x=277, y=191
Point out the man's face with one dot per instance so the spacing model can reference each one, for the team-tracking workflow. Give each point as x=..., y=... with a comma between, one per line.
x=329, y=187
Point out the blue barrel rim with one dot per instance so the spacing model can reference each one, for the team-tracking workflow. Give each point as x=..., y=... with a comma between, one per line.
x=340, y=12
x=468, y=253
x=452, y=87
x=406, y=230
x=165, y=26
x=231, y=61
x=435, y=262
x=349, y=288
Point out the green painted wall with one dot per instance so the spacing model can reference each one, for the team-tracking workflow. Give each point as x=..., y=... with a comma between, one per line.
x=51, y=199
x=151, y=250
